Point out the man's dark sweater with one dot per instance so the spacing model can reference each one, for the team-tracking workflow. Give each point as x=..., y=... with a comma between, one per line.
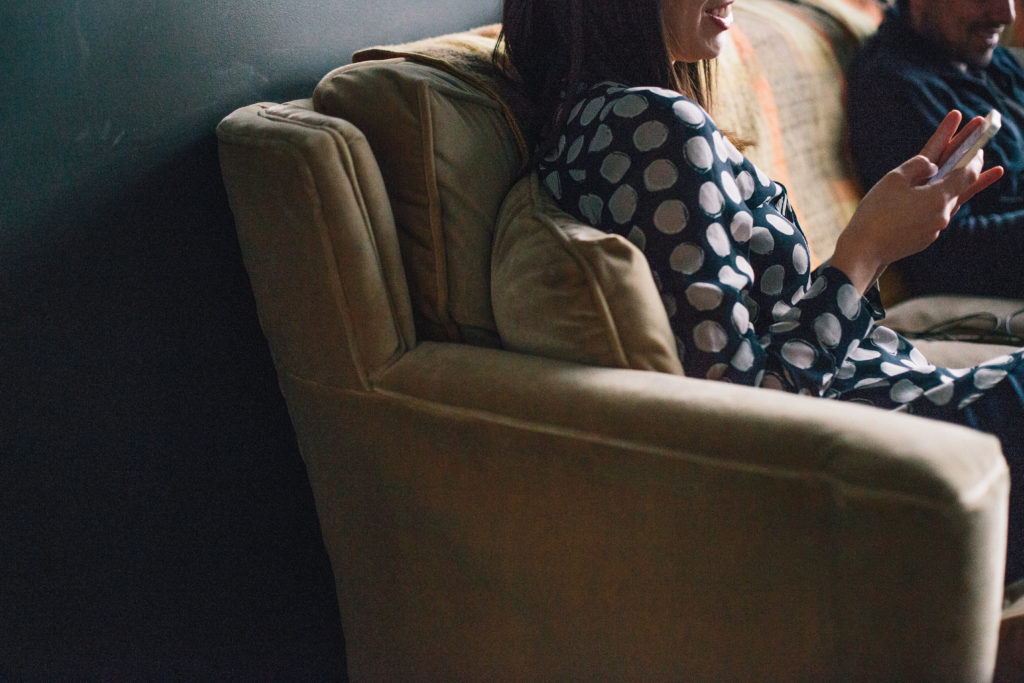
x=900, y=86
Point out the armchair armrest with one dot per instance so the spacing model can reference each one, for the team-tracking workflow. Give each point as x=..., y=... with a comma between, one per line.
x=508, y=516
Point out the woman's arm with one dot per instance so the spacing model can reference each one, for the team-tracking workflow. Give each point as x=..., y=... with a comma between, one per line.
x=730, y=263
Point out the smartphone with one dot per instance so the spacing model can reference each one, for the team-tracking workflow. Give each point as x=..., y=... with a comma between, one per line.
x=965, y=152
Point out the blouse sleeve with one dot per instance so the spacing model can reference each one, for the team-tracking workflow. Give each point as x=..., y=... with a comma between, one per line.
x=732, y=266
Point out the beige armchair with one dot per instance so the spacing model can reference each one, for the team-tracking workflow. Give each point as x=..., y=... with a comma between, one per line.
x=507, y=495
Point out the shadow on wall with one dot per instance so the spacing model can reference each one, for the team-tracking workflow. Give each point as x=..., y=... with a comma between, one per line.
x=156, y=517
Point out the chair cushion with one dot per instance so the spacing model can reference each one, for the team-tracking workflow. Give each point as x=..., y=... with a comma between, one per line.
x=448, y=156
x=563, y=289
x=960, y=317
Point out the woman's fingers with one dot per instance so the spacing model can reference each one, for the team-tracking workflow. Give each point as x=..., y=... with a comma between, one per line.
x=981, y=182
x=918, y=169
x=939, y=142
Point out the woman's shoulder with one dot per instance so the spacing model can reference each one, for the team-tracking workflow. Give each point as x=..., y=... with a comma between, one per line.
x=601, y=100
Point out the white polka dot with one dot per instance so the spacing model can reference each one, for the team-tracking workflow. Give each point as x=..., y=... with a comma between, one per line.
x=711, y=199
x=885, y=339
x=614, y=167
x=780, y=224
x=607, y=110
x=829, y=330
x=591, y=206
x=592, y=110
x=892, y=369
x=622, y=204
x=968, y=401
x=798, y=353
x=743, y=359
x=718, y=240
x=784, y=326
x=942, y=394
x=554, y=184
x=662, y=92
x=557, y=151
x=730, y=278
x=741, y=227
x=801, y=259
x=905, y=391
x=783, y=311
x=871, y=382
x=772, y=279
x=746, y=184
x=761, y=240
x=762, y=178
x=860, y=354
x=704, y=296
x=919, y=362
x=716, y=371
x=710, y=337
x=730, y=188
x=817, y=287
x=660, y=175
x=638, y=238
x=743, y=265
x=721, y=151
x=574, y=150
x=698, y=153
x=650, y=135
x=576, y=109
x=735, y=156
x=630, y=106
x=671, y=217
x=849, y=301
x=740, y=318
x=986, y=378
x=1001, y=360
x=687, y=258
x=688, y=112
x=846, y=371
x=602, y=138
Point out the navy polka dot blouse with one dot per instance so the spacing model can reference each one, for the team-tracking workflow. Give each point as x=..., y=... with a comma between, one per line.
x=730, y=261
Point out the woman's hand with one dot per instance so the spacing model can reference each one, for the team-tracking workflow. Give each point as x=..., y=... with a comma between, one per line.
x=903, y=214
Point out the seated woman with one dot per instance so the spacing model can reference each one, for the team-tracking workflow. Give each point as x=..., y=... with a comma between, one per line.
x=620, y=89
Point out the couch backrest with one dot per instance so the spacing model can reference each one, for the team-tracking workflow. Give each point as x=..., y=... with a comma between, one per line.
x=449, y=148
x=781, y=89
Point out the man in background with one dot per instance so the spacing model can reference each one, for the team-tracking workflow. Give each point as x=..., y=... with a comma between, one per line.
x=930, y=56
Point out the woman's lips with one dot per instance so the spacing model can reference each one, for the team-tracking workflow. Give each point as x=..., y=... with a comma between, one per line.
x=721, y=15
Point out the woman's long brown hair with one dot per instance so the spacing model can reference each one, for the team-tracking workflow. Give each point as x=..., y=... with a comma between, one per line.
x=552, y=48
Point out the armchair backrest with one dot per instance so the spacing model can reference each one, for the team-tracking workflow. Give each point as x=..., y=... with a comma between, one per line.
x=448, y=156
x=318, y=240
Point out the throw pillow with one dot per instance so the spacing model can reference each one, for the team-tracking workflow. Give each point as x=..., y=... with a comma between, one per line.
x=566, y=290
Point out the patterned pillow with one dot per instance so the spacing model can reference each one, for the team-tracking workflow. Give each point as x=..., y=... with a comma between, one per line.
x=563, y=289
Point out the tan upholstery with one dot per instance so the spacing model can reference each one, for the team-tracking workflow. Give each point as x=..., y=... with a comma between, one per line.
x=495, y=514
x=563, y=289
x=437, y=127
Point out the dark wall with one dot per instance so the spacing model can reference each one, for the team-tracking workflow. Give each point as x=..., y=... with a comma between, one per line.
x=155, y=519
